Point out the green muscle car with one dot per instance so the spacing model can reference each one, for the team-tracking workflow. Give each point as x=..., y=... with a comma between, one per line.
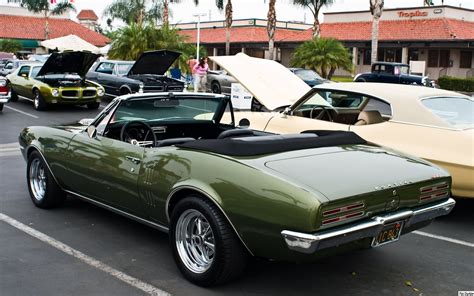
x=177, y=162
x=60, y=80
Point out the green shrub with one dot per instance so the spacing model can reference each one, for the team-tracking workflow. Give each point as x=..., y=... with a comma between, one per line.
x=456, y=84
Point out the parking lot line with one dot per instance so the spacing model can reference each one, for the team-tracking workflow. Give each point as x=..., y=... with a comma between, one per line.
x=444, y=238
x=134, y=282
x=22, y=112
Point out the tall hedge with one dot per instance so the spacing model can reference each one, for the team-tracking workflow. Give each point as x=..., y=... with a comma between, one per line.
x=456, y=84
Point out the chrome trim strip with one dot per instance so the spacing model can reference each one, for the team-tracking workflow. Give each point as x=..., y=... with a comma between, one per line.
x=310, y=243
x=212, y=200
x=120, y=212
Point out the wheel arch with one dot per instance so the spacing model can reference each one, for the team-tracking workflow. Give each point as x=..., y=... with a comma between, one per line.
x=125, y=87
x=30, y=149
x=182, y=191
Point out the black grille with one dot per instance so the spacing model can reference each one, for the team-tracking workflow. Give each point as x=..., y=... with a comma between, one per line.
x=153, y=89
x=89, y=93
x=175, y=88
x=70, y=93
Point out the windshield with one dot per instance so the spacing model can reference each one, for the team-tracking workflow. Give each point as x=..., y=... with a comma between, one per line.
x=169, y=109
x=307, y=75
x=459, y=112
x=122, y=69
x=34, y=71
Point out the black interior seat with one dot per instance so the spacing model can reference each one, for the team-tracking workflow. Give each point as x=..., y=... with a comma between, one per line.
x=236, y=133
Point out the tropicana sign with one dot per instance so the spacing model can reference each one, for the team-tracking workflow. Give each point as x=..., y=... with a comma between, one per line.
x=411, y=14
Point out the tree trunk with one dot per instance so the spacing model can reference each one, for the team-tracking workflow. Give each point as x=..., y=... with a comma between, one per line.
x=46, y=25
x=316, y=27
x=331, y=73
x=375, y=40
x=228, y=24
x=271, y=27
x=166, y=13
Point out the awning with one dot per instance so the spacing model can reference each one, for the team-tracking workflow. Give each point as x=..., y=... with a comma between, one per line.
x=69, y=42
x=28, y=43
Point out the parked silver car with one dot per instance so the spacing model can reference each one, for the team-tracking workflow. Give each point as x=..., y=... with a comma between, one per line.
x=219, y=82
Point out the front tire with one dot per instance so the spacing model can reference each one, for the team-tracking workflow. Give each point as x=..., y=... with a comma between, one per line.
x=93, y=106
x=44, y=191
x=1, y=107
x=38, y=101
x=205, y=247
x=216, y=87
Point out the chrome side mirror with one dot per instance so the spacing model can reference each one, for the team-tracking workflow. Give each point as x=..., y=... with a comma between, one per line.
x=91, y=131
x=244, y=122
x=287, y=111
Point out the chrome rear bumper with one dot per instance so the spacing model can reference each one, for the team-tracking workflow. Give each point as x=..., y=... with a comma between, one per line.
x=310, y=243
x=5, y=98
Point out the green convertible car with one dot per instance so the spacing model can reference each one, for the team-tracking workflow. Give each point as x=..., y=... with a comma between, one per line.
x=60, y=80
x=177, y=162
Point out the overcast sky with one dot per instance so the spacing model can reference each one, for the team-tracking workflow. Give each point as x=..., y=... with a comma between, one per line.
x=258, y=8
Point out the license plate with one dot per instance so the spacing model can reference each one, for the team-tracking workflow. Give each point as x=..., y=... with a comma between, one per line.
x=389, y=234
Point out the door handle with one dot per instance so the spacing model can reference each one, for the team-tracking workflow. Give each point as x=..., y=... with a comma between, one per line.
x=133, y=159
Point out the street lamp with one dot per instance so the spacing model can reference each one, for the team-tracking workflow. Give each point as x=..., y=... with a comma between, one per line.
x=198, y=15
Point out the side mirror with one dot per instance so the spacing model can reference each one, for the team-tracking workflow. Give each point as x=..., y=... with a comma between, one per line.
x=91, y=131
x=244, y=122
x=287, y=111
x=86, y=121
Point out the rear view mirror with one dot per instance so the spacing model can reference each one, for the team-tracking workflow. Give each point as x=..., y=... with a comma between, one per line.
x=91, y=131
x=244, y=122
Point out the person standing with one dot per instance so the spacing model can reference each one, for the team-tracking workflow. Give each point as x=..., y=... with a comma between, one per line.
x=200, y=75
x=190, y=75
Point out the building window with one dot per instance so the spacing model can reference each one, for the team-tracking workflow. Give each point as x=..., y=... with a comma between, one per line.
x=413, y=54
x=444, y=58
x=433, y=57
x=390, y=55
x=367, y=56
x=381, y=55
x=466, y=59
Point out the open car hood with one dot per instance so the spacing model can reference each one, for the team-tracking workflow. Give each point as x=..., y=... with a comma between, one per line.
x=77, y=62
x=271, y=83
x=154, y=62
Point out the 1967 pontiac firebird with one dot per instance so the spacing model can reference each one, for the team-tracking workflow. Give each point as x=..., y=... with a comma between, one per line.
x=224, y=194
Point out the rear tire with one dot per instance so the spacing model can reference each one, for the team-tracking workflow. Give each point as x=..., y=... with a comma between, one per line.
x=1, y=107
x=204, y=244
x=44, y=191
x=38, y=101
x=93, y=106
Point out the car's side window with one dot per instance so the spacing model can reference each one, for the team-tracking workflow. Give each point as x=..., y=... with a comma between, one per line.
x=106, y=68
x=24, y=71
x=9, y=66
x=377, y=105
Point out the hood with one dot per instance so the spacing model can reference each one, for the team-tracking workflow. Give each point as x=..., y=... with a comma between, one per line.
x=271, y=83
x=154, y=62
x=77, y=62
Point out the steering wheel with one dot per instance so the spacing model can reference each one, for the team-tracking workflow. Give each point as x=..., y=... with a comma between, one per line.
x=324, y=111
x=138, y=133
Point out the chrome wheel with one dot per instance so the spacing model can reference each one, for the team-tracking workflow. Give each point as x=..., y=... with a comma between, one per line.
x=37, y=179
x=195, y=241
x=36, y=100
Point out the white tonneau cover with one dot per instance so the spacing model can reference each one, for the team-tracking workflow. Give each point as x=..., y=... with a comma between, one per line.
x=270, y=82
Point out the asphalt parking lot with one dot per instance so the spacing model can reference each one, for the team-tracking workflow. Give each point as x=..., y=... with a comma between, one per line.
x=80, y=249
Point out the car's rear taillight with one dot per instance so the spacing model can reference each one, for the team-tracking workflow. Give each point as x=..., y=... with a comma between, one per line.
x=435, y=191
x=343, y=213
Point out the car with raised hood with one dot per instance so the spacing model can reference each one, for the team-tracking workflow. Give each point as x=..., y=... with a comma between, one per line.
x=60, y=80
x=173, y=161
x=386, y=72
x=4, y=92
x=430, y=123
x=146, y=74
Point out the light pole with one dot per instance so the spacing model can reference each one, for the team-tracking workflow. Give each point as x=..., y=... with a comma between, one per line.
x=198, y=15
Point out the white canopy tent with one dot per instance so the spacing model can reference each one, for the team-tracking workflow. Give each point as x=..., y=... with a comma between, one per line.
x=69, y=42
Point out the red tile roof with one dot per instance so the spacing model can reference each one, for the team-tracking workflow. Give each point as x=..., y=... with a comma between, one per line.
x=87, y=14
x=26, y=27
x=412, y=30
x=246, y=35
x=399, y=30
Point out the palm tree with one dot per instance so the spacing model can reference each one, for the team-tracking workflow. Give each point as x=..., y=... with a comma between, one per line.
x=45, y=7
x=271, y=28
x=314, y=6
x=134, y=11
x=166, y=10
x=323, y=55
x=376, y=9
x=228, y=21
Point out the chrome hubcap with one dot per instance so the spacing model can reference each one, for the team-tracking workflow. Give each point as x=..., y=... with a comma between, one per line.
x=37, y=179
x=195, y=241
x=36, y=100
